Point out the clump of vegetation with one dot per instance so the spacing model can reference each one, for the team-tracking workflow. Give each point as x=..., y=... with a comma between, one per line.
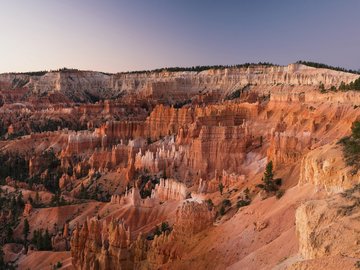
x=26, y=231
x=242, y=203
x=163, y=228
x=31, y=73
x=147, y=183
x=225, y=206
x=210, y=204
x=322, y=88
x=180, y=104
x=83, y=193
x=269, y=183
x=351, y=147
x=355, y=85
x=57, y=200
x=226, y=203
x=15, y=166
x=10, y=202
x=58, y=265
x=245, y=201
x=236, y=94
x=200, y=68
x=222, y=210
x=42, y=240
x=279, y=193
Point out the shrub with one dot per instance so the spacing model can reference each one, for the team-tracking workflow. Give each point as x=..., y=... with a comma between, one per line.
x=210, y=204
x=355, y=85
x=26, y=229
x=279, y=193
x=226, y=202
x=242, y=203
x=351, y=147
x=278, y=181
x=163, y=228
x=222, y=211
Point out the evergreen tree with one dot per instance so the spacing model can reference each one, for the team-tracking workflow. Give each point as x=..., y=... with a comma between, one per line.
x=83, y=192
x=268, y=174
x=47, y=241
x=31, y=201
x=9, y=234
x=355, y=130
x=270, y=184
x=221, y=188
x=26, y=229
x=20, y=201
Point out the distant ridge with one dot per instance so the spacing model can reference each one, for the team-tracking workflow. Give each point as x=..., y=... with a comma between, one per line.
x=192, y=68
x=158, y=70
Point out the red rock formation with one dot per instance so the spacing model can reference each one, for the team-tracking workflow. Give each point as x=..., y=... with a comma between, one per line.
x=61, y=241
x=169, y=189
x=98, y=245
x=164, y=191
x=192, y=217
x=27, y=209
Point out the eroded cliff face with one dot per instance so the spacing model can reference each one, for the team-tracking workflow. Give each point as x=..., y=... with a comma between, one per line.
x=167, y=176
x=87, y=85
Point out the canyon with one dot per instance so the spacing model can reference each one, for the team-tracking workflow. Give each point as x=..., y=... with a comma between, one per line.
x=225, y=168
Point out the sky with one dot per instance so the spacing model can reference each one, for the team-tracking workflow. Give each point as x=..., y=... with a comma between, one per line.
x=124, y=35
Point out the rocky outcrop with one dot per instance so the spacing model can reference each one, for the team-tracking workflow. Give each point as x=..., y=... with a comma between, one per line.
x=81, y=141
x=288, y=147
x=324, y=167
x=330, y=227
x=226, y=179
x=27, y=209
x=101, y=245
x=169, y=190
x=192, y=217
x=166, y=190
x=61, y=241
x=115, y=157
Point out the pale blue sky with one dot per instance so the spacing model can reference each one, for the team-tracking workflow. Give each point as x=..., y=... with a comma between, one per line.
x=126, y=35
